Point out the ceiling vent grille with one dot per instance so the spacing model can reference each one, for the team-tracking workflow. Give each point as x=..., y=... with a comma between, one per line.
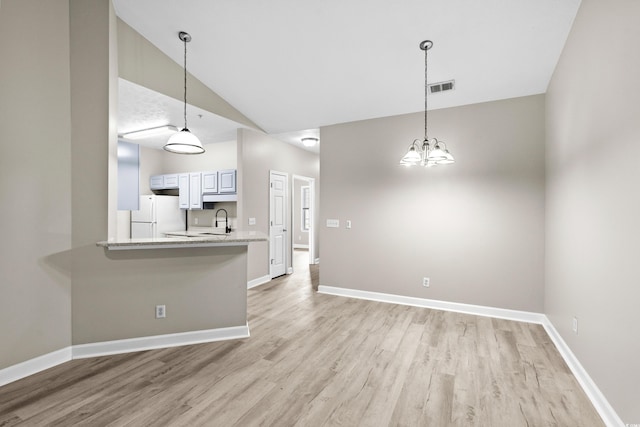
x=442, y=86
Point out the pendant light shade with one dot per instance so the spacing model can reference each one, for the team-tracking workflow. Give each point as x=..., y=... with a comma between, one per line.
x=436, y=155
x=184, y=142
x=412, y=157
x=428, y=152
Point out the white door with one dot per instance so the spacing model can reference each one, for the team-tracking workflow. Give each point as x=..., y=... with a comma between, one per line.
x=278, y=246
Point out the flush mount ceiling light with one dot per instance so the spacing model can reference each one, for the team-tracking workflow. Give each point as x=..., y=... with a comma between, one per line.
x=184, y=142
x=309, y=142
x=428, y=152
x=149, y=133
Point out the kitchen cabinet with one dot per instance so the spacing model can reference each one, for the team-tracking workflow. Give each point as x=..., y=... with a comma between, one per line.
x=183, y=190
x=156, y=182
x=170, y=181
x=164, y=182
x=227, y=181
x=195, y=190
x=209, y=182
x=190, y=190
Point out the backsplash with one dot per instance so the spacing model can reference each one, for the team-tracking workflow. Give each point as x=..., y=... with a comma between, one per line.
x=206, y=218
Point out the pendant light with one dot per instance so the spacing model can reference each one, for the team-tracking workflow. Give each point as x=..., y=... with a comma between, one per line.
x=427, y=152
x=184, y=142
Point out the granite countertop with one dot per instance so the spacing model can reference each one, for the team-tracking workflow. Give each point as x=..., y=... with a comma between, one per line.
x=192, y=238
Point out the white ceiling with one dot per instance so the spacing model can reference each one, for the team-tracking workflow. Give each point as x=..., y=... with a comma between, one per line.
x=141, y=108
x=292, y=65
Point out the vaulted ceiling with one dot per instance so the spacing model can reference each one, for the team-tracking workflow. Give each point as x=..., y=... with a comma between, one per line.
x=292, y=65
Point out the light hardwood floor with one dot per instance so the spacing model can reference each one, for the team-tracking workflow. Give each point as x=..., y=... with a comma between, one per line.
x=315, y=360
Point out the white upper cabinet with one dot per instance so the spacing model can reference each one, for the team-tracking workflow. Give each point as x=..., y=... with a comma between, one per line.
x=195, y=190
x=163, y=182
x=156, y=182
x=197, y=187
x=170, y=181
x=227, y=181
x=183, y=190
x=209, y=182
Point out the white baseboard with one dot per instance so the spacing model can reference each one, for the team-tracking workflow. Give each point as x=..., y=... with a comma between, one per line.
x=478, y=310
x=299, y=246
x=159, y=341
x=35, y=365
x=81, y=351
x=259, y=281
x=599, y=401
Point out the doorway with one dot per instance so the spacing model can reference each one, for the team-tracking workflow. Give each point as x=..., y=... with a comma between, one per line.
x=303, y=215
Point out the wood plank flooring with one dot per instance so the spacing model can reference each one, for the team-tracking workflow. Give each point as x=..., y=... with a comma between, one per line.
x=316, y=360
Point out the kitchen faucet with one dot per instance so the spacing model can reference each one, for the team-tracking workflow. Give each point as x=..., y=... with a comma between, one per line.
x=227, y=229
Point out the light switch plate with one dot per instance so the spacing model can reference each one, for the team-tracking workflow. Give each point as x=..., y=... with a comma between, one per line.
x=252, y=221
x=333, y=223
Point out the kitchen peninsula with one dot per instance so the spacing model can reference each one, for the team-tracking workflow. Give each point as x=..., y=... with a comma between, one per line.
x=199, y=280
x=187, y=239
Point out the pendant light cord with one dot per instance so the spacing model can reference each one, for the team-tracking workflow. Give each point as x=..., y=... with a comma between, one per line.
x=185, y=83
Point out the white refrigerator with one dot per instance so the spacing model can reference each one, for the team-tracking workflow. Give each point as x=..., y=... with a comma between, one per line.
x=156, y=216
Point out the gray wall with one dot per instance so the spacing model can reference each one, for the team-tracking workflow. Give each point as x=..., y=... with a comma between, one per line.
x=114, y=295
x=257, y=155
x=35, y=179
x=476, y=228
x=593, y=206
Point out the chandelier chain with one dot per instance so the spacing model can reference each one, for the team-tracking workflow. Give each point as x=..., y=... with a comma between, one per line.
x=426, y=90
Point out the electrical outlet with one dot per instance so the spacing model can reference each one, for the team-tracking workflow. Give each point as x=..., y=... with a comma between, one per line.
x=425, y=282
x=574, y=325
x=161, y=311
x=195, y=220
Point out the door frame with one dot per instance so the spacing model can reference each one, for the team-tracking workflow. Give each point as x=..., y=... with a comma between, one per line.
x=287, y=222
x=311, y=182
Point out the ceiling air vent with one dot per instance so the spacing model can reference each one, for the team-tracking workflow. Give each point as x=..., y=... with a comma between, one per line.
x=442, y=86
